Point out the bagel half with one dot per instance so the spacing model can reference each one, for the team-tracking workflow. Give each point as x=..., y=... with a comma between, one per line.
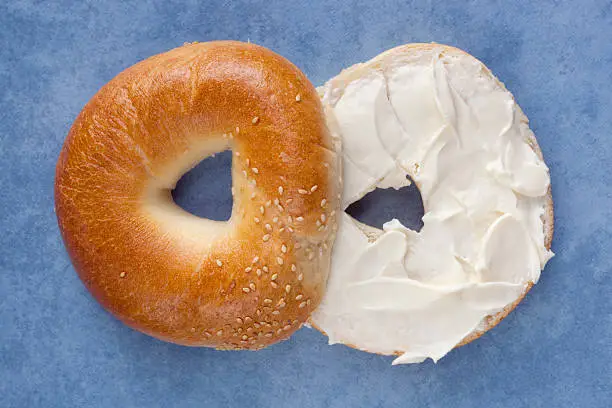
x=241, y=284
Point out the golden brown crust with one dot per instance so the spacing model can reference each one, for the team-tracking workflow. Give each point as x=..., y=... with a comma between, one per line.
x=246, y=283
x=360, y=69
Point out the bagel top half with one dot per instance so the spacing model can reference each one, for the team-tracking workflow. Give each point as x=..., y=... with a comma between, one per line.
x=244, y=283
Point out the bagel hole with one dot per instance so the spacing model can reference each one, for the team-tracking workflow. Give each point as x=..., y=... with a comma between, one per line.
x=206, y=190
x=382, y=205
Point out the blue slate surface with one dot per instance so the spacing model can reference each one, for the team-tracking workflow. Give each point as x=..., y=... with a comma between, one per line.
x=58, y=348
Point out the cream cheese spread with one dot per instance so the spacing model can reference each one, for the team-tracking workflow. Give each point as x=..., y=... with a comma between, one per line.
x=443, y=120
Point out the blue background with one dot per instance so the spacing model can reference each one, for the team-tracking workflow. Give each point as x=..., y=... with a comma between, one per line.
x=59, y=348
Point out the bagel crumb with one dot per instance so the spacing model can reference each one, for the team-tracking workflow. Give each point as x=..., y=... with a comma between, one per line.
x=122, y=275
x=255, y=259
x=280, y=190
x=255, y=120
x=248, y=269
x=255, y=170
x=219, y=263
x=298, y=98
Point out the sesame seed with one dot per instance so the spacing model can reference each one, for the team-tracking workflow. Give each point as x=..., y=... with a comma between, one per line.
x=244, y=337
x=323, y=217
x=318, y=223
x=268, y=203
x=252, y=286
x=256, y=220
x=268, y=227
x=302, y=305
x=246, y=290
x=255, y=170
x=299, y=297
x=280, y=190
x=323, y=202
x=274, y=284
x=255, y=120
x=248, y=269
x=298, y=97
x=300, y=218
x=284, y=249
x=300, y=276
x=279, y=260
x=268, y=301
x=280, y=208
x=258, y=272
x=276, y=312
x=265, y=269
x=255, y=259
x=262, y=209
x=313, y=188
x=275, y=220
x=281, y=229
x=331, y=214
x=287, y=327
x=253, y=195
x=122, y=275
x=219, y=263
x=288, y=288
x=193, y=329
x=266, y=237
x=273, y=277
x=293, y=268
x=302, y=191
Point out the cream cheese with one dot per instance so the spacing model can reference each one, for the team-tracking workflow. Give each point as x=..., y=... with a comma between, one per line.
x=442, y=120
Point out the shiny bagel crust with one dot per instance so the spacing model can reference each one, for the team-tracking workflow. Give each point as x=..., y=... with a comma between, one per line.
x=241, y=284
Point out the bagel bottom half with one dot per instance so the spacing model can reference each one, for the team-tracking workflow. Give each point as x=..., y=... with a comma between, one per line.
x=437, y=115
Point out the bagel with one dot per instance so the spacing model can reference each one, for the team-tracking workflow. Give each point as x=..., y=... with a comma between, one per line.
x=241, y=284
x=437, y=116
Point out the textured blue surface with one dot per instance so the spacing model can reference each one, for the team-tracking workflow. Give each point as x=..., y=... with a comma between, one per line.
x=59, y=348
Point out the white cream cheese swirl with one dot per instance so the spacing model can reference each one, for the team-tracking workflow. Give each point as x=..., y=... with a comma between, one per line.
x=442, y=119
